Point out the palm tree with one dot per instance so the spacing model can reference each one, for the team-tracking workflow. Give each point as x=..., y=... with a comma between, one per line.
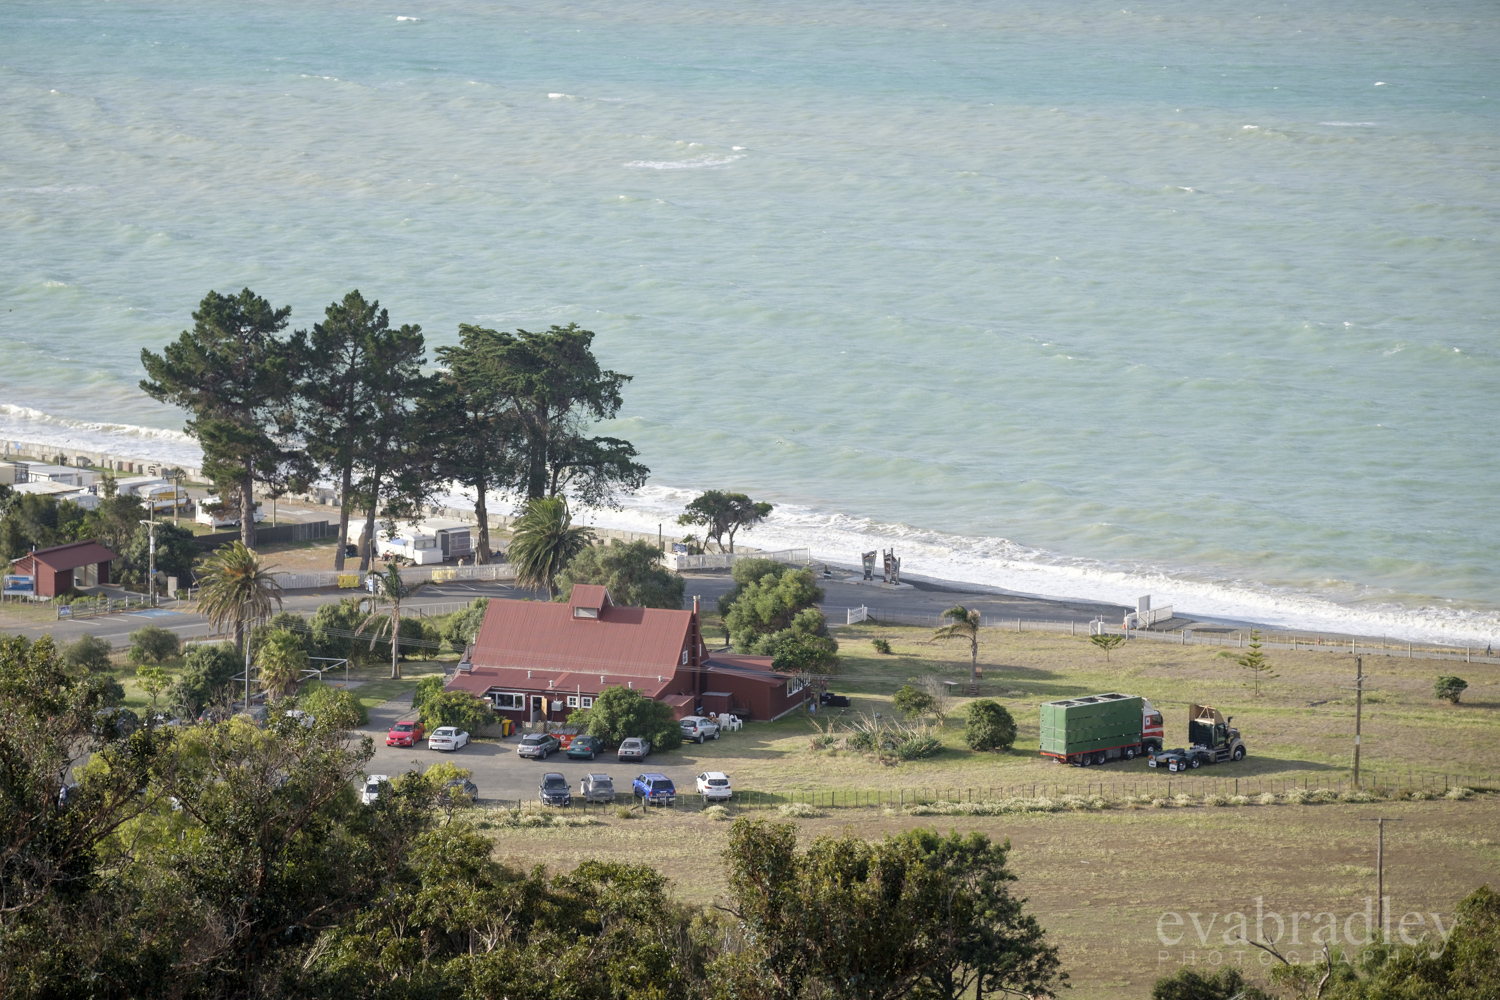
x=237, y=588
x=545, y=541
x=282, y=660
x=965, y=626
x=393, y=590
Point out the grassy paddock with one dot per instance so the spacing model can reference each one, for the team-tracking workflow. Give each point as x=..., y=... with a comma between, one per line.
x=1300, y=730
x=1100, y=881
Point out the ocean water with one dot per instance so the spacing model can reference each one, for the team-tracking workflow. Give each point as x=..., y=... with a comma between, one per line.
x=1081, y=300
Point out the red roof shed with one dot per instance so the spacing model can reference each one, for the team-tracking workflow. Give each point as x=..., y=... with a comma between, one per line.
x=77, y=564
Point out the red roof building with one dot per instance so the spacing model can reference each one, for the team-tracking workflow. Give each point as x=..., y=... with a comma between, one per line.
x=56, y=570
x=536, y=660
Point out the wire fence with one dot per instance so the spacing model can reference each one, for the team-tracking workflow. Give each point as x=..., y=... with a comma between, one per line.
x=1207, y=636
x=1381, y=784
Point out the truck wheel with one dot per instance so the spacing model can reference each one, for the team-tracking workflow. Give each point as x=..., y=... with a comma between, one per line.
x=1084, y=760
x=1239, y=753
x=1130, y=753
x=1196, y=762
x=1100, y=758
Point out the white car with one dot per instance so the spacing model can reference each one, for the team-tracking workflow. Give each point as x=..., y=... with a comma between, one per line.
x=714, y=786
x=447, y=738
x=372, y=788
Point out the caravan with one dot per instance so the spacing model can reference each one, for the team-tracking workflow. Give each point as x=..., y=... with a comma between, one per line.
x=427, y=543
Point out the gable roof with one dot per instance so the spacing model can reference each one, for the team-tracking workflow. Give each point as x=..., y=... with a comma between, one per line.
x=544, y=636
x=72, y=555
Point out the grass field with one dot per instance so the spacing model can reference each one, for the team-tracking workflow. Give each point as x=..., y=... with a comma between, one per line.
x=1300, y=728
x=1100, y=882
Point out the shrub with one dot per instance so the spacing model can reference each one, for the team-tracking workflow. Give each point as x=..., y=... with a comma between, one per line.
x=917, y=747
x=339, y=706
x=912, y=701
x=881, y=646
x=1190, y=984
x=455, y=708
x=89, y=654
x=1459, y=794
x=801, y=810
x=427, y=687
x=153, y=644
x=619, y=713
x=1266, y=798
x=462, y=627
x=206, y=675
x=1449, y=688
x=717, y=813
x=989, y=727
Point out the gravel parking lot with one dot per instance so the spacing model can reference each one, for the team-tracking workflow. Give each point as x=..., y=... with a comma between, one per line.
x=502, y=775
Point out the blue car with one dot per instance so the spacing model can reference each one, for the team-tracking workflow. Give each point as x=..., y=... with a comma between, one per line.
x=655, y=788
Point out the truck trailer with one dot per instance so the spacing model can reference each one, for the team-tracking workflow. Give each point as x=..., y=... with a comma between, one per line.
x=1099, y=728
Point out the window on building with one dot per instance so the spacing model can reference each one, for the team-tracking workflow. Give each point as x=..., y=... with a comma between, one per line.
x=585, y=612
x=572, y=701
x=509, y=699
x=795, y=684
x=587, y=702
x=684, y=657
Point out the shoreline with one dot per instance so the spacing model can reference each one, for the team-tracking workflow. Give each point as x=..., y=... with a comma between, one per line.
x=1087, y=581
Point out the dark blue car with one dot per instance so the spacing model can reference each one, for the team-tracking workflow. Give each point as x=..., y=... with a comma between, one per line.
x=655, y=788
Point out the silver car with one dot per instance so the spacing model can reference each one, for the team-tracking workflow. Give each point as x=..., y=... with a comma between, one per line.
x=633, y=748
x=597, y=788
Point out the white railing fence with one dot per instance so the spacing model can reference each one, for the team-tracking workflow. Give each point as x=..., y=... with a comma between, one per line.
x=726, y=560
x=355, y=580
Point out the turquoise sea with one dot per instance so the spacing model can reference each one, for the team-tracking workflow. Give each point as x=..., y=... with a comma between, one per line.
x=1083, y=299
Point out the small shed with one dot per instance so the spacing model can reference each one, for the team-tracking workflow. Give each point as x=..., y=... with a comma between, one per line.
x=77, y=564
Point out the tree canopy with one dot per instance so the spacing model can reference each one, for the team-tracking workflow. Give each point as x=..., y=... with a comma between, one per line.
x=232, y=372
x=620, y=713
x=631, y=571
x=720, y=513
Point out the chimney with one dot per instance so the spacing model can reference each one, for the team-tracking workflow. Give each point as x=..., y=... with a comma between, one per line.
x=695, y=604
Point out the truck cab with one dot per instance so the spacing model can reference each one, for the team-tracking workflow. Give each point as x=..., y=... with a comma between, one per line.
x=1211, y=732
x=1153, y=729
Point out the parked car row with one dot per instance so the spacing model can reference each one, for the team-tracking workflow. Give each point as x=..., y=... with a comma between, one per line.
x=407, y=733
x=651, y=788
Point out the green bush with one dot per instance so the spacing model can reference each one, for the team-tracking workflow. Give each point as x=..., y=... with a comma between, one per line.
x=916, y=747
x=990, y=727
x=462, y=627
x=1449, y=688
x=337, y=705
x=89, y=654
x=428, y=687
x=912, y=701
x=881, y=646
x=207, y=672
x=456, y=708
x=153, y=644
x=619, y=713
x=344, y=616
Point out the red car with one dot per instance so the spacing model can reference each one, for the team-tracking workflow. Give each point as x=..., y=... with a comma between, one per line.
x=404, y=734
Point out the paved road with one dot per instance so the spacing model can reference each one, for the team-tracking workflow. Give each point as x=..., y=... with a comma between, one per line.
x=503, y=776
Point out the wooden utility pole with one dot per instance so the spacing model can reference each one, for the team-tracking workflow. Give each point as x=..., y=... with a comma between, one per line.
x=1380, y=822
x=1359, y=704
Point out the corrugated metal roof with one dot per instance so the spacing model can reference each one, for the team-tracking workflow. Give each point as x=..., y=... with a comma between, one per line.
x=73, y=555
x=483, y=679
x=627, y=642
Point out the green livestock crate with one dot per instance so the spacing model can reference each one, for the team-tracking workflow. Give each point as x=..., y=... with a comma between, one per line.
x=1095, y=722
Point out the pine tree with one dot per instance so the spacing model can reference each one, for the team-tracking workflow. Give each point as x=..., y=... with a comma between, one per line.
x=1255, y=661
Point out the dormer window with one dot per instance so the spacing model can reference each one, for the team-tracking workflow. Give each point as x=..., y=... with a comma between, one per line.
x=588, y=602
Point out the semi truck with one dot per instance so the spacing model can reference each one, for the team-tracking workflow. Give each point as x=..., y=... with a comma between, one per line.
x=1211, y=739
x=1099, y=728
